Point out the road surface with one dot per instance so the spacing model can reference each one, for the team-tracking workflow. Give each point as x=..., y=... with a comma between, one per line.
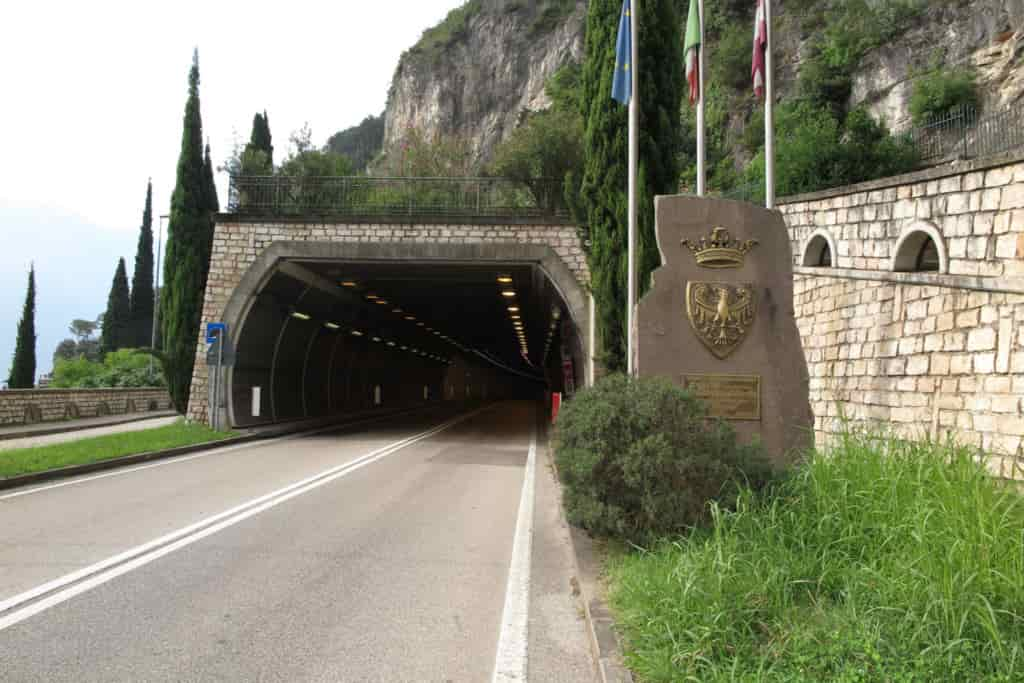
x=379, y=555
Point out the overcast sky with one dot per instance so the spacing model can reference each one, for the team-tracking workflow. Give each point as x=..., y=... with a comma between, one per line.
x=94, y=95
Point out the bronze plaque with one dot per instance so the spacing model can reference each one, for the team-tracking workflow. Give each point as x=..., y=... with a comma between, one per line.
x=732, y=397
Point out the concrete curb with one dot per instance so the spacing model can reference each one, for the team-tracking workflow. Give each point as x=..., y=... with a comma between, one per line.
x=114, y=463
x=65, y=427
x=604, y=642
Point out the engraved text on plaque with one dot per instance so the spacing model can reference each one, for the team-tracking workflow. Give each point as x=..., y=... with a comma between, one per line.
x=732, y=397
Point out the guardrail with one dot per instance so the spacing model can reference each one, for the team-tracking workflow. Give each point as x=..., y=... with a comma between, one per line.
x=366, y=196
x=966, y=133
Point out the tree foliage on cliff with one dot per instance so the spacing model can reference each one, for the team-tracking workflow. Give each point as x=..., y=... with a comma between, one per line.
x=189, y=241
x=117, y=323
x=23, y=369
x=141, y=315
x=545, y=152
x=604, y=182
x=359, y=143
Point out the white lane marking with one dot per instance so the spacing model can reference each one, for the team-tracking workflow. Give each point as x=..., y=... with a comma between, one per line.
x=185, y=458
x=511, y=661
x=101, y=572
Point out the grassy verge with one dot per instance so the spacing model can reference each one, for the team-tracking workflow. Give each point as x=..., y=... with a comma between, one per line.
x=882, y=561
x=28, y=460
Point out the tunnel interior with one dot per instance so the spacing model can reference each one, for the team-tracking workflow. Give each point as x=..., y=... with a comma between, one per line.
x=324, y=338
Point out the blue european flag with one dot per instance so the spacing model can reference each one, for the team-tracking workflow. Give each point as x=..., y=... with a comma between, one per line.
x=622, y=86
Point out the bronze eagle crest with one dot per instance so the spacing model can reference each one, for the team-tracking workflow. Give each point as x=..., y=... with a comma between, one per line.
x=721, y=314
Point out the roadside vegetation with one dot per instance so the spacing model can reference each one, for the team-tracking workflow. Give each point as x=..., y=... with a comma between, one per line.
x=880, y=559
x=20, y=461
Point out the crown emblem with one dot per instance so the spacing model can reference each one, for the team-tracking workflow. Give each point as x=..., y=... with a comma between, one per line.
x=720, y=250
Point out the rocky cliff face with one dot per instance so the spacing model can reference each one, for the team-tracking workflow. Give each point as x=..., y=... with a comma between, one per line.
x=985, y=34
x=477, y=79
x=483, y=71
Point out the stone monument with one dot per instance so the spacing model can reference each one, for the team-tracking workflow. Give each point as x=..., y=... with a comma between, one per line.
x=719, y=319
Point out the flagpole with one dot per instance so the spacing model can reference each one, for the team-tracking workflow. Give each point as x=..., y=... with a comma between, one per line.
x=634, y=147
x=701, y=140
x=769, y=111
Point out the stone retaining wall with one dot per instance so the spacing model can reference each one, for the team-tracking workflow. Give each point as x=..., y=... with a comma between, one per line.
x=29, y=406
x=937, y=353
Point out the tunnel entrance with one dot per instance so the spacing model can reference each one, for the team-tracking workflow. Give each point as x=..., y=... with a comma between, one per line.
x=320, y=335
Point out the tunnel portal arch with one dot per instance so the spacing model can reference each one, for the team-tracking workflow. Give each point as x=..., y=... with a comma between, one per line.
x=342, y=373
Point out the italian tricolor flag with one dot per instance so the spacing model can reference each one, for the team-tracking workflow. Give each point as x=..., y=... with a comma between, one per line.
x=692, y=50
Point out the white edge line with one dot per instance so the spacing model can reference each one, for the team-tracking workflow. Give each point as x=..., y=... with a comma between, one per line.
x=150, y=551
x=174, y=460
x=511, y=659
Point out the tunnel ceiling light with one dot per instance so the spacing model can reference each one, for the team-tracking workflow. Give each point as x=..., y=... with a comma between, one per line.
x=397, y=310
x=357, y=333
x=371, y=297
x=391, y=344
x=332, y=326
x=301, y=316
x=505, y=279
x=508, y=294
x=410, y=318
x=405, y=348
x=420, y=324
x=513, y=309
x=381, y=302
x=348, y=283
x=377, y=339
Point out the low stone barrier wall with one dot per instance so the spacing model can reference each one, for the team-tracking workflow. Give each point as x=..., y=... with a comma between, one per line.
x=30, y=406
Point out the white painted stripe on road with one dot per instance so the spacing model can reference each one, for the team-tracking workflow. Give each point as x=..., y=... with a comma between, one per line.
x=102, y=572
x=185, y=458
x=511, y=661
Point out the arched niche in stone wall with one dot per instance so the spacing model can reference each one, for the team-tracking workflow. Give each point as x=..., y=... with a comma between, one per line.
x=820, y=250
x=920, y=249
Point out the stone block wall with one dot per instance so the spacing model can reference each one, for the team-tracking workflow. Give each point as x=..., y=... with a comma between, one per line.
x=927, y=352
x=237, y=243
x=29, y=406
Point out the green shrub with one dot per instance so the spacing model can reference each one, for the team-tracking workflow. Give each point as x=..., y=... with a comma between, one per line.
x=122, y=368
x=815, y=150
x=939, y=92
x=453, y=27
x=639, y=459
x=881, y=560
x=729, y=60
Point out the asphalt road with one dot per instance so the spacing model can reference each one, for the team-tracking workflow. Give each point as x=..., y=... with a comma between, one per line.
x=369, y=556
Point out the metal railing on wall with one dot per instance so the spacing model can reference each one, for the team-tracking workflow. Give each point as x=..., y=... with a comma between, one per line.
x=967, y=133
x=366, y=196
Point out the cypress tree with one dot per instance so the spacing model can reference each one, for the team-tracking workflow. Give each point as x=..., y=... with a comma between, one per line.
x=187, y=261
x=605, y=177
x=209, y=185
x=260, y=138
x=142, y=279
x=23, y=369
x=117, y=328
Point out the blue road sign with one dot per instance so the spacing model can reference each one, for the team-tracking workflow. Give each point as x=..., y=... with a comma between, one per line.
x=213, y=330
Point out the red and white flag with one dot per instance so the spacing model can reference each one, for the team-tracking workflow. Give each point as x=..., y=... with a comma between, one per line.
x=692, y=50
x=760, y=45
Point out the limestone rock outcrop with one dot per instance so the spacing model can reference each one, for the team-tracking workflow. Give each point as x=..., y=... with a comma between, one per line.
x=478, y=84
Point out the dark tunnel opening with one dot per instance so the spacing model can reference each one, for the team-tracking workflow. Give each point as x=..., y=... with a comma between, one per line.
x=324, y=338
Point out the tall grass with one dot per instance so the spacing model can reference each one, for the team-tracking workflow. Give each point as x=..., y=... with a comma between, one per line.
x=884, y=560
